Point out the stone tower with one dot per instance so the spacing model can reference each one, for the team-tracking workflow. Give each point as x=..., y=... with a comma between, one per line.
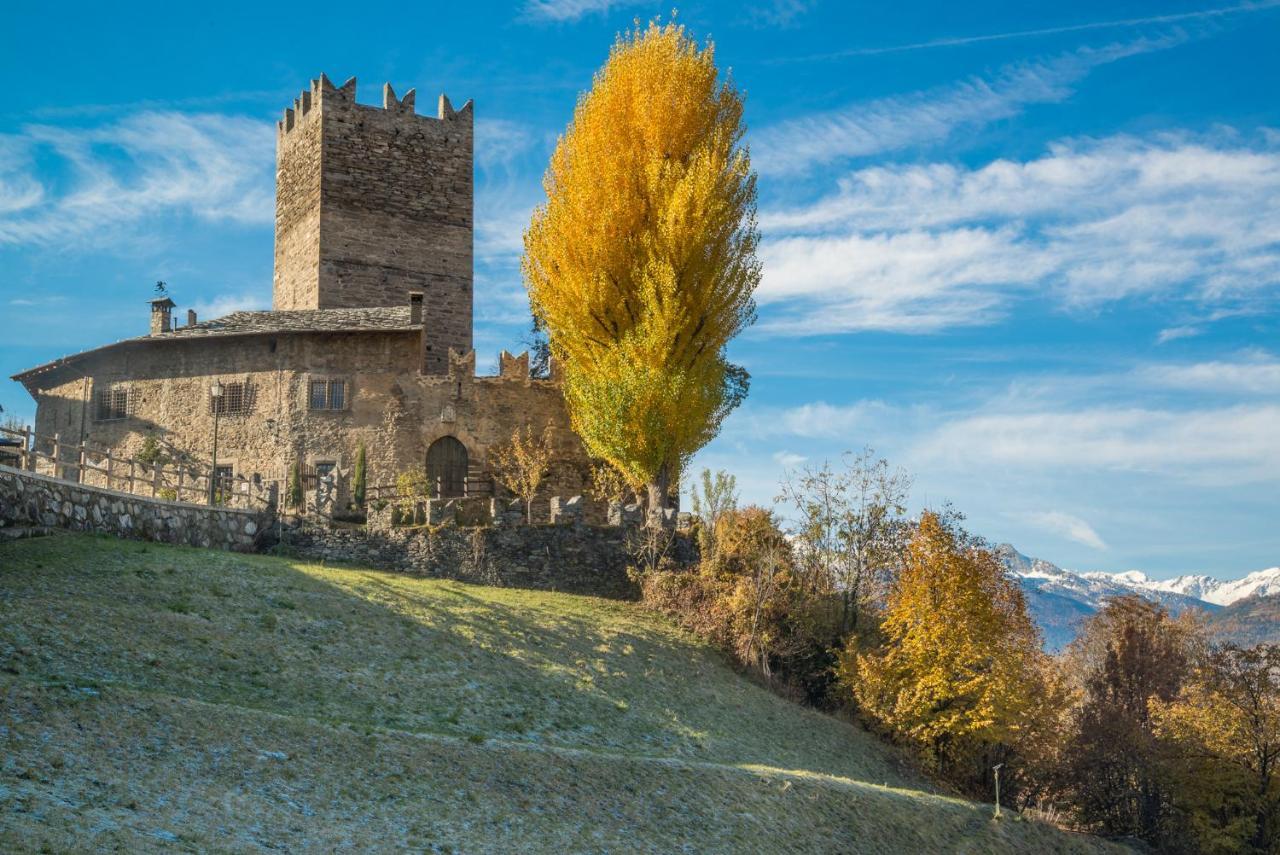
x=372, y=204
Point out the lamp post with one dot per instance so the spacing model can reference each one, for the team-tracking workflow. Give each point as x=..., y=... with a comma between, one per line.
x=215, y=392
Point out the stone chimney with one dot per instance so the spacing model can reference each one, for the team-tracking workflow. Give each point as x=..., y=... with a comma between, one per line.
x=191, y=317
x=161, y=310
x=415, y=307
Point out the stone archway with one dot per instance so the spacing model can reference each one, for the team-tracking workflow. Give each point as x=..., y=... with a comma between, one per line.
x=447, y=468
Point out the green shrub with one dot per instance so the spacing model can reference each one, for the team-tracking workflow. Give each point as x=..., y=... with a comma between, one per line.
x=361, y=475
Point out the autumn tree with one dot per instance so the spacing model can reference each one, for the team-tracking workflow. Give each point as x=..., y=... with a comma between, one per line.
x=1131, y=655
x=641, y=265
x=1221, y=753
x=711, y=498
x=850, y=527
x=960, y=674
x=521, y=463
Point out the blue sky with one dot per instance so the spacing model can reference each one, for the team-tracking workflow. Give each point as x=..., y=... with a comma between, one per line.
x=1030, y=253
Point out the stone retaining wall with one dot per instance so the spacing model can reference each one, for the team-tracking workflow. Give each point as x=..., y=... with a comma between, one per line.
x=28, y=499
x=575, y=559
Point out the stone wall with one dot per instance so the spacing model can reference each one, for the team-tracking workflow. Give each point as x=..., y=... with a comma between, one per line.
x=28, y=499
x=579, y=559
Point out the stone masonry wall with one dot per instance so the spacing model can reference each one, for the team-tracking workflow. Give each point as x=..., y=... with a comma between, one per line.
x=573, y=559
x=373, y=204
x=28, y=499
x=392, y=408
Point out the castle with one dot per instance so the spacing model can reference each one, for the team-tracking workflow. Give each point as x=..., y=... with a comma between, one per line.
x=369, y=338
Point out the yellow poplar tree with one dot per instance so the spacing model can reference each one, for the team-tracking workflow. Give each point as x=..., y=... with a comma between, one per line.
x=641, y=264
x=961, y=668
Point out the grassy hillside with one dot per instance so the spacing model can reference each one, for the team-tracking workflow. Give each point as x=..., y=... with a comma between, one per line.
x=163, y=697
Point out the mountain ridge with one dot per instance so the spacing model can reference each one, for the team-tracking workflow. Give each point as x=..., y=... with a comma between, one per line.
x=1059, y=600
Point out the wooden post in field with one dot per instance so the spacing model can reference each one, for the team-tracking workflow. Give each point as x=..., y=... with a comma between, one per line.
x=996, y=769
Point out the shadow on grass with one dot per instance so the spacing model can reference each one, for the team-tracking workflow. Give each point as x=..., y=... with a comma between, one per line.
x=382, y=650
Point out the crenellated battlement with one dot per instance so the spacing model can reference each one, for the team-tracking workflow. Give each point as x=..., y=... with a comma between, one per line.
x=323, y=94
x=373, y=203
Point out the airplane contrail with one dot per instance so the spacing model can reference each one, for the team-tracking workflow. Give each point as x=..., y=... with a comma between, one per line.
x=959, y=41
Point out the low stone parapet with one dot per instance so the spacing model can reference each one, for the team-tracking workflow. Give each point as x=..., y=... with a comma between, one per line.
x=507, y=512
x=567, y=511
x=625, y=515
x=28, y=499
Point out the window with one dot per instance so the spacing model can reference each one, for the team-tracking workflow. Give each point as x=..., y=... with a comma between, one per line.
x=323, y=469
x=112, y=403
x=327, y=395
x=236, y=399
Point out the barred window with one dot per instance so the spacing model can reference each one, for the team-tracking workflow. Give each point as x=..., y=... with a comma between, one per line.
x=236, y=399
x=112, y=403
x=327, y=395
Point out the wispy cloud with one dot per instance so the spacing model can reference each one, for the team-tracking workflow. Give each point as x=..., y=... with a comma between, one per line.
x=798, y=145
x=1169, y=334
x=1257, y=374
x=788, y=459
x=1064, y=525
x=917, y=248
x=780, y=13
x=1221, y=446
x=816, y=420
x=225, y=304
x=212, y=167
x=1118, y=23
x=568, y=10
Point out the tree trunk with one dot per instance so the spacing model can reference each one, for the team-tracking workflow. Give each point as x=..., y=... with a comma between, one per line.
x=659, y=487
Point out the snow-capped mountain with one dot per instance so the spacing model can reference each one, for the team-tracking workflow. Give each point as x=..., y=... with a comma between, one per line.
x=1059, y=600
x=1263, y=583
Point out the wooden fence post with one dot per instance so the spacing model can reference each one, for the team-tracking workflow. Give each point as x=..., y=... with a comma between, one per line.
x=28, y=459
x=57, y=455
x=155, y=478
x=80, y=461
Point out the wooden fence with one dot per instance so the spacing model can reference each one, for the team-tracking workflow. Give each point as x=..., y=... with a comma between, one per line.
x=94, y=466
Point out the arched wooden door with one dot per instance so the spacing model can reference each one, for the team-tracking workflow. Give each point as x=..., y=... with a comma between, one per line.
x=447, y=468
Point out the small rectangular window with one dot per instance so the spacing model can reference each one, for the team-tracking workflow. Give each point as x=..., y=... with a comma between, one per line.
x=323, y=469
x=112, y=403
x=327, y=395
x=236, y=399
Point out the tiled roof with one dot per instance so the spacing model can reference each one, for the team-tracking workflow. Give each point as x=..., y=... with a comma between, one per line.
x=386, y=319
